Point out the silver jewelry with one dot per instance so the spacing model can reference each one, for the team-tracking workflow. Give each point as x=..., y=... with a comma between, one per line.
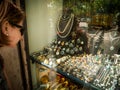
x=111, y=40
x=108, y=81
x=104, y=72
x=104, y=78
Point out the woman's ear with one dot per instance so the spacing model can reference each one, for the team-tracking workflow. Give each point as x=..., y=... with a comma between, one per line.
x=5, y=28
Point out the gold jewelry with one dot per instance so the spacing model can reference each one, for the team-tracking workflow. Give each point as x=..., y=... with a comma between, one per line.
x=65, y=26
x=64, y=34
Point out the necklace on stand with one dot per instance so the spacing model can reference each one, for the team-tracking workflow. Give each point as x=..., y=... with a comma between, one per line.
x=116, y=39
x=66, y=24
x=91, y=40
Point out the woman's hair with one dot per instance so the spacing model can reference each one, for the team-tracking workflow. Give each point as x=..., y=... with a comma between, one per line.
x=11, y=13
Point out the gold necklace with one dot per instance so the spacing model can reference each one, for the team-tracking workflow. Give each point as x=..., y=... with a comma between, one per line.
x=65, y=29
x=65, y=26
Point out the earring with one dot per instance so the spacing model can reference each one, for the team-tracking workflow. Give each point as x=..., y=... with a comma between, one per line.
x=6, y=34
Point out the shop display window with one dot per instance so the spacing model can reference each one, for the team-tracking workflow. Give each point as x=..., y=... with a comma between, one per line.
x=84, y=51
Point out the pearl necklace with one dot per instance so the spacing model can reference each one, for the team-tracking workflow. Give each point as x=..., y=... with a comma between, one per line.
x=66, y=31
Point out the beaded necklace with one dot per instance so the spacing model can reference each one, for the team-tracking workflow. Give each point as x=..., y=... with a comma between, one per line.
x=66, y=31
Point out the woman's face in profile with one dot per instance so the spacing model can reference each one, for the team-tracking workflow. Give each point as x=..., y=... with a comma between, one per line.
x=14, y=33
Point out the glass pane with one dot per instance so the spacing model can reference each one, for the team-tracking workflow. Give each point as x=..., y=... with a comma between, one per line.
x=77, y=40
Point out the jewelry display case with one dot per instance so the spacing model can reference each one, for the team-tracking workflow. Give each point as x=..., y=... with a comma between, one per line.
x=85, y=54
x=95, y=72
